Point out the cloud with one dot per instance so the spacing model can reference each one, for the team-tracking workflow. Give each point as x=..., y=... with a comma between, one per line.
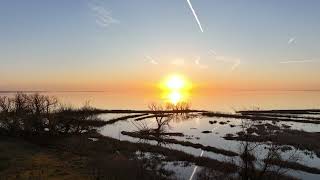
x=234, y=61
x=292, y=40
x=237, y=63
x=102, y=16
x=195, y=15
x=296, y=61
x=151, y=60
x=197, y=62
x=178, y=62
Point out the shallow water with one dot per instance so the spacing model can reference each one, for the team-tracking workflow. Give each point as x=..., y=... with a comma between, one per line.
x=192, y=129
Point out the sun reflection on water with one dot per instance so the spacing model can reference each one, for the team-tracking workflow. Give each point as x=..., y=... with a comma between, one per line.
x=175, y=97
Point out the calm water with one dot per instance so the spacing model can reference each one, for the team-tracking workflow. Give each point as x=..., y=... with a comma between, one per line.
x=228, y=101
x=192, y=129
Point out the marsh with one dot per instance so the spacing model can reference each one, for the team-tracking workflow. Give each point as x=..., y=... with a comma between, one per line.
x=247, y=144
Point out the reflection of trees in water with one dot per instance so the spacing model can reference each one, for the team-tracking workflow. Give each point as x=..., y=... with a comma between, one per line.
x=258, y=160
x=183, y=116
x=162, y=119
x=159, y=132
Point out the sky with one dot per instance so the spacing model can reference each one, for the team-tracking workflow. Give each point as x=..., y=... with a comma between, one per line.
x=131, y=45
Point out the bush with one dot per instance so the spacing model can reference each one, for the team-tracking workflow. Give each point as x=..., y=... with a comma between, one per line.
x=30, y=114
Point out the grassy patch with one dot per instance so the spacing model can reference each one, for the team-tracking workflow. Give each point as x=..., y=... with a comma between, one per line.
x=22, y=160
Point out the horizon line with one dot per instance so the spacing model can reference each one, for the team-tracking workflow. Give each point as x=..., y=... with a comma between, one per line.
x=101, y=91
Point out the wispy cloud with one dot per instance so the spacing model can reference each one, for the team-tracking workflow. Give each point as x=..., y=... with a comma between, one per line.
x=151, y=60
x=292, y=40
x=178, y=62
x=296, y=61
x=236, y=62
x=102, y=16
x=195, y=15
x=197, y=62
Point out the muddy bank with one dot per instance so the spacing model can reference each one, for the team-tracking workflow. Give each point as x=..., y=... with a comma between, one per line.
x=283, y=136
x=183, y=143
x=160, y=134
x=123, y=118
x=286, y=111
x=290, y=116
x=295, y=166
x=258, y=117
x=105, y=146
x=152, y=116
x=98, y=111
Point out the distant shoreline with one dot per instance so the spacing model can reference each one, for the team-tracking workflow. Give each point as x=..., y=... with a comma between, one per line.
x=238, y=90
x=48, y=91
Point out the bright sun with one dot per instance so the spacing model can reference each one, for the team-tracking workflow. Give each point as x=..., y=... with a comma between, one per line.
x=176, y=89
x=175, y=83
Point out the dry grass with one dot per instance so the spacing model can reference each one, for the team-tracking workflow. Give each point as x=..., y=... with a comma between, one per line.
x=22, y=160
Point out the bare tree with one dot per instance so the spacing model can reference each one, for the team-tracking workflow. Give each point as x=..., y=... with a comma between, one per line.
x=31, y=114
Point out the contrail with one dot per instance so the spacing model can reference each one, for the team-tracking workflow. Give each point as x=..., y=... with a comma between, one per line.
x=195, y=15
x=292, y=40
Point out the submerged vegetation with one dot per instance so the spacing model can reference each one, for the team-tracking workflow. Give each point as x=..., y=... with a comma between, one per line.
x=264, y=132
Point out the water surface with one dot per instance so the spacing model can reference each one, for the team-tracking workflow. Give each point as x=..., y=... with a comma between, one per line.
x=227, y=101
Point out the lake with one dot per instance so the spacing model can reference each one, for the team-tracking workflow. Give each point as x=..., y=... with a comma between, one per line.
x=222, y=101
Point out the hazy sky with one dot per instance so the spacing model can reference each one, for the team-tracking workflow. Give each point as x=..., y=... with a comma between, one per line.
x=121, y=44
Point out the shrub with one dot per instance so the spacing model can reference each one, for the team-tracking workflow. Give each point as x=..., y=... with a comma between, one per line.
x=30, y=114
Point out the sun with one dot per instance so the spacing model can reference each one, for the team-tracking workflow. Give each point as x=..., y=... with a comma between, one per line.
x=175, y=88
x=175, y=83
